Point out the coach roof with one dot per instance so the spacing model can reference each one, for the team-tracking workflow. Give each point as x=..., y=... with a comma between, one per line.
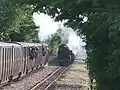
x=24, y=44
x=4, y=44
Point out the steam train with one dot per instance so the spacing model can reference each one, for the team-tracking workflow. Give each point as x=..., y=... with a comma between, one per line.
x=65, y=55
x=19, y=58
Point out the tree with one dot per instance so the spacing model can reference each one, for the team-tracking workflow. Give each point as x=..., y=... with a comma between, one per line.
x=16, y=22
x=23, y=24
x=54, y=42
x=6, y=17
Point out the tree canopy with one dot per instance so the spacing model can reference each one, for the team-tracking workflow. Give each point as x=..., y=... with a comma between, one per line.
x=16, y=22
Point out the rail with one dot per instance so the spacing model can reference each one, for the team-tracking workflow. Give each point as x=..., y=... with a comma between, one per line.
x=48, y=81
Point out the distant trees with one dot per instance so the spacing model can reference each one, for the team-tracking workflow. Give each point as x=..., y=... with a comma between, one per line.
x=58, y=38
x=54, y=41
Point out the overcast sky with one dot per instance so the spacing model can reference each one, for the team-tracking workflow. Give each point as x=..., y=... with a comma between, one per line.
x=46, y=24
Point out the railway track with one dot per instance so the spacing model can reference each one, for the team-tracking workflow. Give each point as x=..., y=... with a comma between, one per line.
x=46, y=83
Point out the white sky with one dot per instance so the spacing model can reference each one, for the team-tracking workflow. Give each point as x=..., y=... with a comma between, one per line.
x=46, y=24
x=48, y=27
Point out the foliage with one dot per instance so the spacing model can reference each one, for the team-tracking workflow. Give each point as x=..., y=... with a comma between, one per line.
x=16, y=22
x=101, y=33
x=58, y=38
x=23, y=25
x=6, y=17
x=54, y=41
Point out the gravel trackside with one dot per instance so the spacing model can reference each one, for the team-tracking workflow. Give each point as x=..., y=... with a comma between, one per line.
x=31, y=80
x=76, y=76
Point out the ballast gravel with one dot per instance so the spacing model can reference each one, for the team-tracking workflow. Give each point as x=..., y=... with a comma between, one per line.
x=31, y=80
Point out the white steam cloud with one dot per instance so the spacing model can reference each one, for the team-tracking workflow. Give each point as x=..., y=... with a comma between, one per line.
x=69, y=37
x=74, y=42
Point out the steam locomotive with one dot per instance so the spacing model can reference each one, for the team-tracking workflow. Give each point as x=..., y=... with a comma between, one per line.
x=65, y=55
x=19, y=58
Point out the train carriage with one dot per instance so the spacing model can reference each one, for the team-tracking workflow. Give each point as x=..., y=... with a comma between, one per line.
x=19, y=58
x=37, y=48
x=32, y=55
x=28, y=63
x=38, y=59
x=45, y=54
x=10, y=61
x=25, y=55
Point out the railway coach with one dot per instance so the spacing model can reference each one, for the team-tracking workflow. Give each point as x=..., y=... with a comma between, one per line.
x=11, y=63
x=19, y=58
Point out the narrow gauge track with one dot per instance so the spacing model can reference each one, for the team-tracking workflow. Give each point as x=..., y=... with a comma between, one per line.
x=48, y=81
